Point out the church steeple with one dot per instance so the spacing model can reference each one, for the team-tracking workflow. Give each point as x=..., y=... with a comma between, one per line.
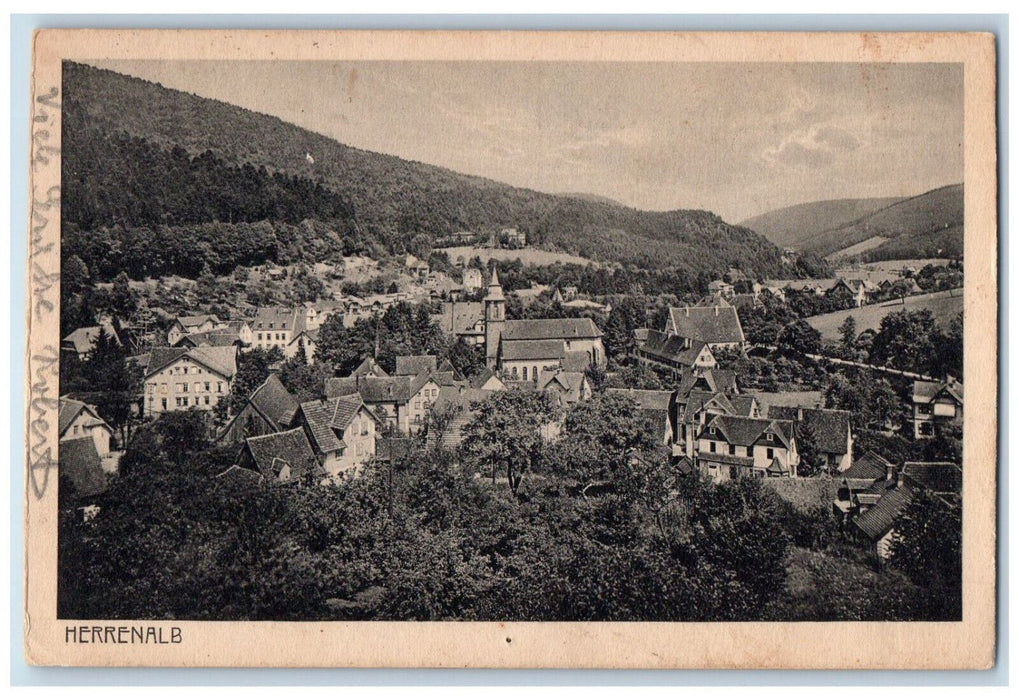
x=495, y=319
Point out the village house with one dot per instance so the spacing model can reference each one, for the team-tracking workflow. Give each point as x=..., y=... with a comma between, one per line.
x=716, y=326
x=416, y=267
x=187, y=325
x=673, y=354
x=880, y=507
x=217, y=338
x=280, y=457
x=699, y=397
x=855, y=485
x=82, y=340
x=455, y=407
x=369, y=368
x=512, y=238
x=733, y=446
x=832, y=431
x=721, y=288
x=181, y=378
x=565, y=388
x=402, y=402
x=462, y=319
x=413, y=365
x=342, y=432
x=654, y=405
x=269, y=409
x=524, y=348
x=76, y=419
x=935, y=404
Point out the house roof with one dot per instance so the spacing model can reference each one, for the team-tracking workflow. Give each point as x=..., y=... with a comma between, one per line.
x=369, y=366
x=373, y=389
x=550, y=328
x=274, y=401
x=713, y=324
x=741, y=430
x=459, y=317
x=221, y=360
x=213, y=338
x=684, y=351
x=479, y=380
x=646, y=399
x=240, y=478
x=570, y=384
x=925, y=392
x=195, y=321
x=831, y=427
x=78, y=460
x=576, y=361
x=712, y=380
x=743, y=404
x=68, y=411
x=279, y=318
x=532, y=349
x=942, y=478
x=84, y=339
x=317, y=416
x=870, y=466
x=877, y=520
x=272, y=452
x=412, y=365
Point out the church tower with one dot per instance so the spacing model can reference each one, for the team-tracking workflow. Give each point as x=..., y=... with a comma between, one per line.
x=495, y=320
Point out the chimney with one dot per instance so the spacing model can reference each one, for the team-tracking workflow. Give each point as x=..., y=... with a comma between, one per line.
x=716, y=311
x=686, y=309
x=799, y=414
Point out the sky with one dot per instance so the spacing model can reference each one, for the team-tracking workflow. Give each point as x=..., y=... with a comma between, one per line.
x=737, y=139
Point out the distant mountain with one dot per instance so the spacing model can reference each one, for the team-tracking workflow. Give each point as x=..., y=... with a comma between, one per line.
x=928, y=225
x=797, y=226
x=239, y=166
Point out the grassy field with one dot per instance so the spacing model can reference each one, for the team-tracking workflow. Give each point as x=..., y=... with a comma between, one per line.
x=528, y=256
x=944, y=306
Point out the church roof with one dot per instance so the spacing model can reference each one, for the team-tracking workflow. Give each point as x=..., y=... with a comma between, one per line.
x=551, y=328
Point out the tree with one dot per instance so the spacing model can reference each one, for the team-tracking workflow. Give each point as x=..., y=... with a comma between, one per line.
x=847, y=332
x=927, y=547
x=303, y=380
x=122, y=300
x=467, y=358
x=74, y=275
x=906, y=340
x=799, y=338
x=806, y=444
x=253, y=368
x=509, y=431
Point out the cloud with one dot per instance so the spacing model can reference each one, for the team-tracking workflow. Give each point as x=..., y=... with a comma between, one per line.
x=815, y=147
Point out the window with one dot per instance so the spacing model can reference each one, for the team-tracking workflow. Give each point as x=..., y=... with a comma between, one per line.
x=164, y=404
x=75, y=430
x=185, y=370
x=525, y=374
x=711, y=447
x=178, y=402
x=259, y=336
x=770, y=437
x=534, y=372
x=771, y=453
x=184, y=387
x=417, y=405
x=208, y=386
x=219, y=387
x=711, y=430
x=185, y=401
x=732, y=449
x=206, y=400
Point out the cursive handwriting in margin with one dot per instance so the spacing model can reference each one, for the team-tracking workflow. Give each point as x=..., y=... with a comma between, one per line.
x=45, y=280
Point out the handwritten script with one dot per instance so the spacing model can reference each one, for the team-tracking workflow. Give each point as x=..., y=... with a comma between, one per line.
x=43, y=255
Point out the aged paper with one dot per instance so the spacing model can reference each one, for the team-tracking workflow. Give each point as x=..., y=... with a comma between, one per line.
x=228, y=636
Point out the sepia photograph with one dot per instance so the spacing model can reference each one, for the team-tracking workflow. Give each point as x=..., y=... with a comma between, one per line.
x=512, y=341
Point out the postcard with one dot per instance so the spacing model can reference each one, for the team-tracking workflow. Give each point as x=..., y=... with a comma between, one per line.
x=512, y=349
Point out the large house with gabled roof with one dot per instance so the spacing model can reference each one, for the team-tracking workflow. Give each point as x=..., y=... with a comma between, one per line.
x=716, y=326
x=831, y=429
x=270, y=409
x=188, y=325
x=673, y=354
x=935, y=404
x=280, y=457
x=341, y=430
x=730, y=447
x=177, y=379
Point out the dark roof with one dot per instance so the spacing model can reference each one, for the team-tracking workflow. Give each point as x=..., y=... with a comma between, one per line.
x=79, y=461
x=870, y=466
x=939, y=477
x=214, y=338
x=550, y=328
x=568, y=384
x=646, y=399
x=274, y=401
x=532, y=349
x=272, y=452
x=195, y=321
x=84, y=339
x=240, y=478
x=831, y=427
x=69, y=409
x=373, y=389
x=412, y=365
x=713, y=380
x=673, y=347
x=877, y=520
x=279, y=318
x=725, y=458
x=460, y=316
x=576, y=361
x=317, y=416
x=925, y=392
x=713, y=324
x=740, y=430
x=743, y=404
x=478, y=380
x=369, y=366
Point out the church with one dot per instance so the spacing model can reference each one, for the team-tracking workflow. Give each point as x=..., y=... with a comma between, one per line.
x=523, y=349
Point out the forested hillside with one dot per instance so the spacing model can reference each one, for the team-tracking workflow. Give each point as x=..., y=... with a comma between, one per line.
x=929, y=225
x=139, y=158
